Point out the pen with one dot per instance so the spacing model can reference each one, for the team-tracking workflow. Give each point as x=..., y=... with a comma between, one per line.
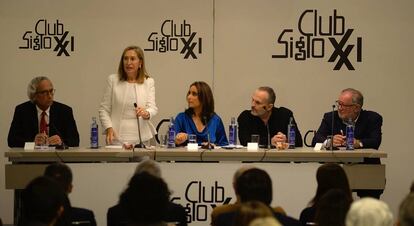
x=342, y=132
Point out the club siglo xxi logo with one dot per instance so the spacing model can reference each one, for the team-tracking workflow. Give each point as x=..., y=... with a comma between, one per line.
x=49, y=36
x=199, y=199
x=173, y=37
x=315, y=34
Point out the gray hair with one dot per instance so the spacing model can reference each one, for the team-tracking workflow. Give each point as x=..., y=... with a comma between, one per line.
x=369, y=211
x=271, y=94
x=32, y=87
x=357, y=97
x=406, y=211
x=149, y=166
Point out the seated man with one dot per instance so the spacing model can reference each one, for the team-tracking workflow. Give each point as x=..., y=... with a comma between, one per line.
x=218, y=210
x=42, y=119
x=367, y=132
x=254, y=185
x=42, y=202
x=266, y=120
x=62, y=174
x=367, y=123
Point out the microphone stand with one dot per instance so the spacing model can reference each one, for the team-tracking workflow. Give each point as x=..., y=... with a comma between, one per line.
x=332, y=127
x=140, y=145
x=208, y=135
x=268, y=136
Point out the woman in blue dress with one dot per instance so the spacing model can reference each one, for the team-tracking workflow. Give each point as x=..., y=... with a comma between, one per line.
x=200, y=119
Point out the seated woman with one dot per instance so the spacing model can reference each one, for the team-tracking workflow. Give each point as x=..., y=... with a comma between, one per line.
x=200, y=119
x=328, y=176
x=332, y=208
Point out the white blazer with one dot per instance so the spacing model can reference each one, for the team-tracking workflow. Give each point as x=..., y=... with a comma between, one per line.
x=113, y=105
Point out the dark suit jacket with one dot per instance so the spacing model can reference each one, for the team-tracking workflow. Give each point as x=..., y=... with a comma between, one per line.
x=75, y=216
x=82, y=216
x=367, y=128
x=117, y=216
x=25, y=125
x=307, y=215
x=226, y=219
x=278, y=122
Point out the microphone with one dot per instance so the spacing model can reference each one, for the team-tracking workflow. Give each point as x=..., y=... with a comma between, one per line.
x=61, y=146
x=209, y=145
x=268, y=136
x=140, y=145
x=331, y=148
x=268, y=132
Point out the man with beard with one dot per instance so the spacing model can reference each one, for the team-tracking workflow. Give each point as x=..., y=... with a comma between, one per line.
x=266, y=120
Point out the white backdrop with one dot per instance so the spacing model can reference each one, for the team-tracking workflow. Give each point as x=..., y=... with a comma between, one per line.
x=238, y=39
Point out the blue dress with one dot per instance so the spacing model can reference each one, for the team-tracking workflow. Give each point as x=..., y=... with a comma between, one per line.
x=184, y=124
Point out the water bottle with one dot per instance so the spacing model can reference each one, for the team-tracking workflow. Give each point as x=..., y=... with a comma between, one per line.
x=171, y=134
x=350, y=135
x=233, y=132
x=291, y=134
x=94, y=134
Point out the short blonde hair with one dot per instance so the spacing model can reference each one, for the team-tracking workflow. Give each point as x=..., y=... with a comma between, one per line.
x=265, y=221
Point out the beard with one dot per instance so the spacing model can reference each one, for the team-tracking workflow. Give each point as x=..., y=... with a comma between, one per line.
x=258, y=113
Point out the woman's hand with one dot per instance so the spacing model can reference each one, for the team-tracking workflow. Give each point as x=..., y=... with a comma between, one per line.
x=142, y=112
x=110, y=135
x=180, y=138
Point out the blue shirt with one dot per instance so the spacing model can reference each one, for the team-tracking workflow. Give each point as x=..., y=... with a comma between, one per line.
x=184, y=124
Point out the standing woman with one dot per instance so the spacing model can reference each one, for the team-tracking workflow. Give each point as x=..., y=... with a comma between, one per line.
x=200, y=119
x=131, y=85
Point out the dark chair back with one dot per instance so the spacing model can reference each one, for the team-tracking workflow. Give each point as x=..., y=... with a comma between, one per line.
x=313, y=132
x=158, y=128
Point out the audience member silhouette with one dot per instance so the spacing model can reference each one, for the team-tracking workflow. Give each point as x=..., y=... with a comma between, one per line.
x=328, y=176
x=116, y=215
x=369, y=212
x=254, y=185
x=332, y=208
x=265, y=221
x=406, y=211
x=146, y=200
x=249, y=211
x=72, y=215
x=233, y=207
x=42, y=202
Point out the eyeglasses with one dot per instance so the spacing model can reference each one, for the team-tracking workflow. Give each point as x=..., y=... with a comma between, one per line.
x=342, y=105
x=46, y=92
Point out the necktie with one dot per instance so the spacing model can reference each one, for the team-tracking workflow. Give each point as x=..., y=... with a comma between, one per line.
x=43, y=124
